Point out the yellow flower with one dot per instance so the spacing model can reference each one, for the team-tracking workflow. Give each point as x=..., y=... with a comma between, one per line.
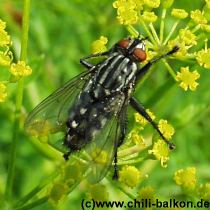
x=149, y=17
x=20, y=69
x=182, y=52
x=124, y=4
x=4, y=38
x=187, y=78
x=204, y=191
x=141, y=120
x=5, y=58
x=127, y=11
x=100, y=156
x=3, y=93
x=130, y=176
x=197, y=17
x=127, y=17
x=58, y=192
x=179, y=13
x=161, y=151
x=72, y=172
x=98, y=46
x=2, y=25
x=136, y=138
x=166, y=129
x=187, y=37
x=147, y=193
x=40, y=128
x=98, y=192
x=203, y=58
x=186, y=178
x=139, y=4
x=152, y=3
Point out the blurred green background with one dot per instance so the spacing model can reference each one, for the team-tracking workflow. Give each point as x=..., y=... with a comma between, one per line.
x=61, y=32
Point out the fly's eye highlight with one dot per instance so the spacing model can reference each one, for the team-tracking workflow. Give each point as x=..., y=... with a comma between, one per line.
x=140, y=54
x=124, y=43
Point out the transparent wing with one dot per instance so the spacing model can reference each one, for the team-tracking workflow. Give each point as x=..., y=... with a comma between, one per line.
x=100, y=152
x=51, y=114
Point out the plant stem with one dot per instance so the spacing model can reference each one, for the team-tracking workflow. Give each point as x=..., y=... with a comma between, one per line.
x=18, y=105
x=171, y=32
x=36, y=190
x=121, y=188
x=170, y=70
x=148, y=32
x=154, y=33
x=132, y=30
x=33, y=204
x=162, y=25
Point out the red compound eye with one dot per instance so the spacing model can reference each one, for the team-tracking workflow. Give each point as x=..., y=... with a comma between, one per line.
x=124, y=43
x=140, y=54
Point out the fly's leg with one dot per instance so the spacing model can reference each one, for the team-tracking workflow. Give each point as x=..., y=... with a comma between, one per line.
x=123, y=127
x=88, y=65
x=141, y=110
x=141, y=72
x=66, y=155
x=115, y=175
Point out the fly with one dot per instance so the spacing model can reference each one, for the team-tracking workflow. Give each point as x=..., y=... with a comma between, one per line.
x=91, y=109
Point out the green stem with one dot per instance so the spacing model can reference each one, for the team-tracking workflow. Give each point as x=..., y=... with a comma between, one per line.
x=206, y=45
x=148, y=32
x=36, y=190
x=170, y=70
x=171, y=32
x=19, y=99
x=121, y=188
x=154, y=33
x=162, y=25
x=131, y=150
x=195, y=29
x=132, y=31
x=131, y=162
x=33, y=204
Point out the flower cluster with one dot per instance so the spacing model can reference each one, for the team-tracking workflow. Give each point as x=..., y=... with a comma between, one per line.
x=70, y=175
x=160, y=149
x=127, y=11
x=20, y=69
x=130, y=176
x=141, y=120
x=187, y=179
x=187, y=78
x=147, y=193
x=16, y=70
x=98, y=192
x=166, y=129
x=98, y=46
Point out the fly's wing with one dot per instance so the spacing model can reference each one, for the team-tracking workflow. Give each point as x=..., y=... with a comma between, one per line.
x=100, y=152
x=51, y=115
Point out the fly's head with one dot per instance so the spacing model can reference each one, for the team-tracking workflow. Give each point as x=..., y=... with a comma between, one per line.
x=134, y=48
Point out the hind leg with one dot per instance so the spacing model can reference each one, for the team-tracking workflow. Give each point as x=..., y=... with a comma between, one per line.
x=123, y=127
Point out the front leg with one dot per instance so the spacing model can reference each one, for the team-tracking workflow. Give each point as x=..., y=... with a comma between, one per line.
x=141, y=110
x=88, y=65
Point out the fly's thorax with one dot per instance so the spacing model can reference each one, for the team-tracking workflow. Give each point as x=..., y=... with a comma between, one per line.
x=114, y=75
